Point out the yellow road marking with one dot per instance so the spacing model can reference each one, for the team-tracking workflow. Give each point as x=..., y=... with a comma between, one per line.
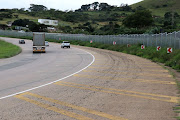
x=118, y=91
x=101, y=114
x=126, y=79
x=139, y=65
x=146, y=74
x=97, y=59
x=52, y=108
x=128, y=69
x=143, y=64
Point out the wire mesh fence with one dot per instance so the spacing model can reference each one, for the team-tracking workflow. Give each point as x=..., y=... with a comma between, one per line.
x=163, y=39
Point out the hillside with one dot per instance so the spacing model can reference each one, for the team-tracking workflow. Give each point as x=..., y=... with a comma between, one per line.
x=20, y=16
x=104, y=20
x=159, y=7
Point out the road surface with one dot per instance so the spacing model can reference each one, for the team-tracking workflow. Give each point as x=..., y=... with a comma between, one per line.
x=114, y=86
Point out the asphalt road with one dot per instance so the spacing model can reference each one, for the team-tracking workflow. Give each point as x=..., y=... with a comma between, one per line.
x=115, y=86
x=27, y=70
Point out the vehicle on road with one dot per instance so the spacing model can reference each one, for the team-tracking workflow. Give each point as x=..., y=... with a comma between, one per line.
x=21, y=42
x=39, y=42
x=46, y=43
x=65, y=44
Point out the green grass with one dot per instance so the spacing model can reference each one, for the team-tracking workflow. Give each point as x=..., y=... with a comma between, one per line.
x=157, y=6
x=8, y=50
x=171, y=60
x=20, y=16
x=178, y=118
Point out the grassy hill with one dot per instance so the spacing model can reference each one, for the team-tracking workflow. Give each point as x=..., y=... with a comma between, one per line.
x=106, y=21
x=20, y=16
x=159, y=7
x=93, y=16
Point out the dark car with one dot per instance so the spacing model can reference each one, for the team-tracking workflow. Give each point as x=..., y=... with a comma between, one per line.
x=21, y=42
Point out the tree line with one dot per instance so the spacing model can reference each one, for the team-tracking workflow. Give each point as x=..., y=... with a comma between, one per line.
x=139, y=21
x=96, y=6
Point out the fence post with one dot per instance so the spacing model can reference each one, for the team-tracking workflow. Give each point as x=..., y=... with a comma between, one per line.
x=174, y=40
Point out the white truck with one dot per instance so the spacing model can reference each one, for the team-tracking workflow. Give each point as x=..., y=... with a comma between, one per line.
x=39, y=42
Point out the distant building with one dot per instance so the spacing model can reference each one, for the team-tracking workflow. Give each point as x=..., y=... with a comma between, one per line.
x=48, y=22
x=9, y=23
x=51, y=29
x=21, y=28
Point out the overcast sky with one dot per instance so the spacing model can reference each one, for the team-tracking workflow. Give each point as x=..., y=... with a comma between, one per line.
x=59, y=4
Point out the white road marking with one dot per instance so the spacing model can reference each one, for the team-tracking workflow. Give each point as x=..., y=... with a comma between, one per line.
x=53, y=81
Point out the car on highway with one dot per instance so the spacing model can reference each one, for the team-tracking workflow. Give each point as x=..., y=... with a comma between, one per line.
x=65, y=44
x=21, y=42
x=46, y=43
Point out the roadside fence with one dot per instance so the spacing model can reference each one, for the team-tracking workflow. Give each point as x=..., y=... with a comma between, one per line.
x=163, y=39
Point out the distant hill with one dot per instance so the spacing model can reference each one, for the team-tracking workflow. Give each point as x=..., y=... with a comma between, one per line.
x=107, y=20
x=159, y=7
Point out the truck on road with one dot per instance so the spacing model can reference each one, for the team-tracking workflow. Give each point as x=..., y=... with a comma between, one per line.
x=39, y=42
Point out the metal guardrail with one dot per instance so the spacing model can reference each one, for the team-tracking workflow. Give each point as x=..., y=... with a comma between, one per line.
x=163, y=39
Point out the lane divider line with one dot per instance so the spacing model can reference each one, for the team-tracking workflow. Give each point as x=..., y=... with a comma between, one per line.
x=52, y=108
x=146, y=66
x=156, y=97
x=53, y=81
x=127, y=79
x=129, y=69
x=122, y=72
x=101, y=114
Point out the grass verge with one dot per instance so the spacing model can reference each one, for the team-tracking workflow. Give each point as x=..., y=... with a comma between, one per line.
x=172, y=60
x=8, y=50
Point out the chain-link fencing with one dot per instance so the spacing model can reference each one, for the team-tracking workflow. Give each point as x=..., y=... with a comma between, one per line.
x=163, y=39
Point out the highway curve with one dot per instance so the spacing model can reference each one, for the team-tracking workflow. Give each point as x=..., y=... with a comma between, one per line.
x=115, y=86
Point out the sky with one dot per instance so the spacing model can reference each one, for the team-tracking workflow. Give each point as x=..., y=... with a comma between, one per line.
x=59, y=4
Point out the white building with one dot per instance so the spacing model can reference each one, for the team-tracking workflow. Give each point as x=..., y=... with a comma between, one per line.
x=48, y=22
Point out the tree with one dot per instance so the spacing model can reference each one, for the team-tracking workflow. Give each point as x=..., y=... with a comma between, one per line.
x=103, y=6
x=140, y=19
x=6, y=15
x=21, y=22
x=169, y=15
x=3, y=27
x=170, y=19
x=125, y=7
x=75, y=17
x=95, y=5
x=37, y=8
x=32, y=25
x=37, y=27
x=22, y=9
x=16, y=16
x=85, y=7
x=111, y=28
x=140, y=8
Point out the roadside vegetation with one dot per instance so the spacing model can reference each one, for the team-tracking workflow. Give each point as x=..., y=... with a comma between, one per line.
x=8, y=50
x=169, y=59
x=149, y=16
